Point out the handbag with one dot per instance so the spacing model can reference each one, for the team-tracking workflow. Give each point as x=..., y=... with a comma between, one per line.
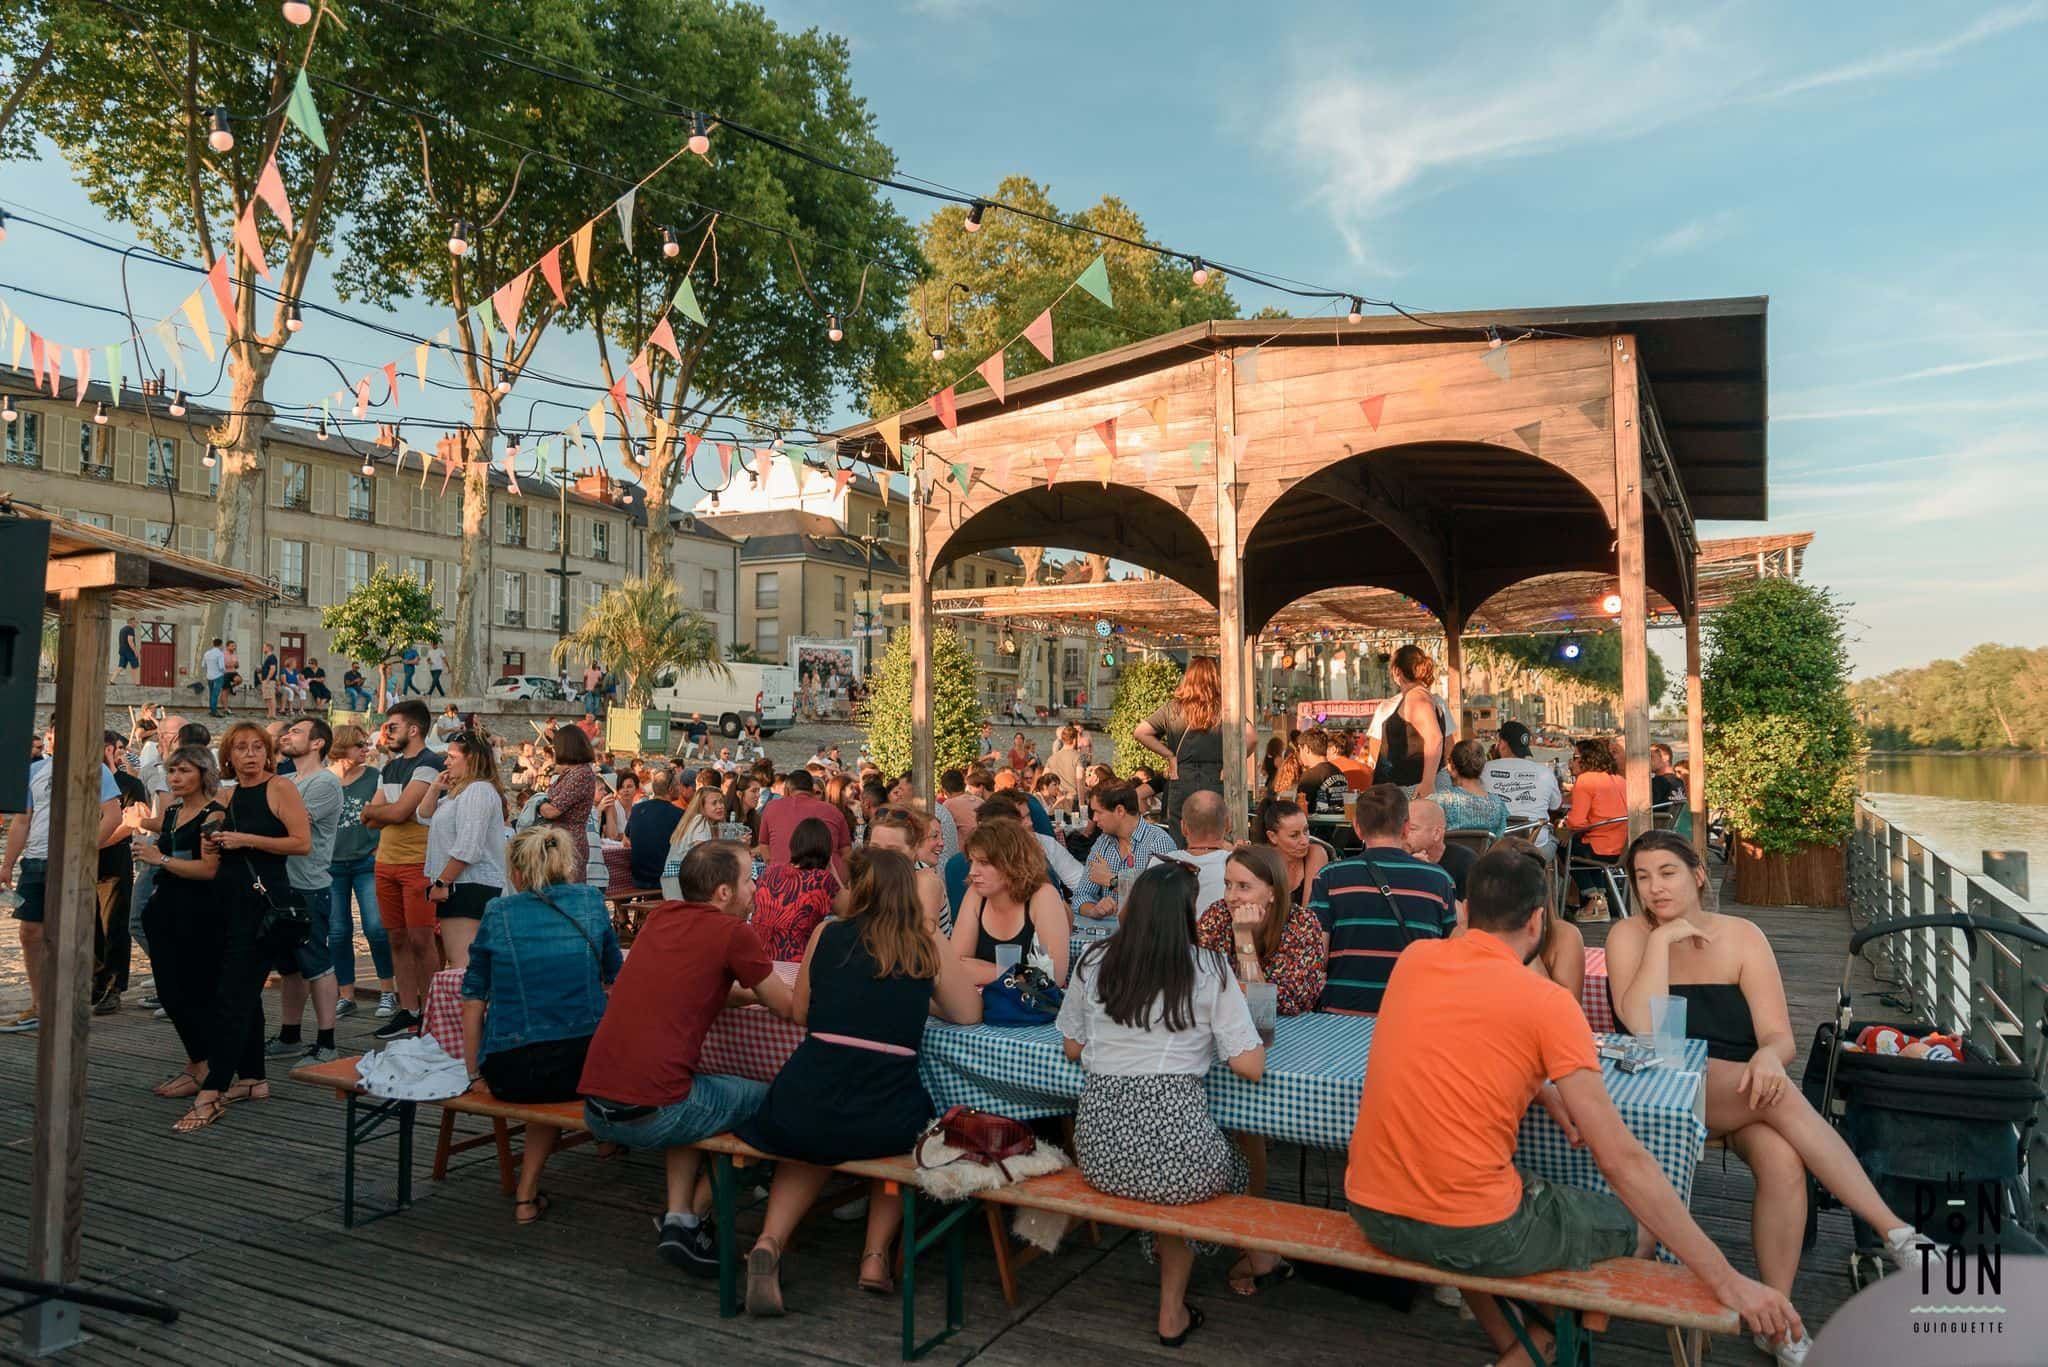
x=284, y=923
x=982, y=1138
x=1023, y=996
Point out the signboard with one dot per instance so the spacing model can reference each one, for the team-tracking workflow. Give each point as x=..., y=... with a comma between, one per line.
x=826, y=668
x=1352, y=714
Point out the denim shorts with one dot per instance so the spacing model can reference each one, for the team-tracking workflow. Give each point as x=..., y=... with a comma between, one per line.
x=31, y=880
x=312, y=957
x=716, y=1103
x=1555, y=1227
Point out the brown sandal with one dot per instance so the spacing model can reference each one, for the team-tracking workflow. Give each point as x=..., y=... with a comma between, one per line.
x=884, y=1285
x=248, y=1089
x=202, y=1114
x=177, y=1086
x=764, y=1279
x=539, y=1203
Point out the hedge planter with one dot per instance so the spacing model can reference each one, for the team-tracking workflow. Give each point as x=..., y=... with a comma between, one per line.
x=1816, y=876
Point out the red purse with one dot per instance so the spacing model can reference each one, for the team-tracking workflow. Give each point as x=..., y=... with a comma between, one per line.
x=981, y=1137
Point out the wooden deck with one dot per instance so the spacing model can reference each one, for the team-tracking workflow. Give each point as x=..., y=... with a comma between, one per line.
x=239, y=1227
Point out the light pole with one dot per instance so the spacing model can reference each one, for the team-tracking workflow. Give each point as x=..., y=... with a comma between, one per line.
x=561, y=571
x=878, y=531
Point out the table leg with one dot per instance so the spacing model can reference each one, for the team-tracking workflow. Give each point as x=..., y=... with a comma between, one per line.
x=724, y=1204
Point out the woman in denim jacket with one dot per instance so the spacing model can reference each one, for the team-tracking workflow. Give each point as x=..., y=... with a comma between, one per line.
x=535, y=989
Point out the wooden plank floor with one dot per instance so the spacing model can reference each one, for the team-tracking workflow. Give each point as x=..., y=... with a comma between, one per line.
x=239, y=1227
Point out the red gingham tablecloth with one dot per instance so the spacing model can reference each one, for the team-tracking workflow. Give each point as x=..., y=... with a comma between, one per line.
x=1595, y=996
x=745, y=1041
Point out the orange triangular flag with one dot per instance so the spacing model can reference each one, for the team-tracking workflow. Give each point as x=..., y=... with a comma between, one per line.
x=217, y=279
x=81, y=360
x=992, y=371
x=618, y=393
x=1372, y=406
x=1157, y=408
x=1039, y=334
x=691, y=440
x=248, y=242
x=890, y=430
x=1104, y=464
x=664, y=337
x=510, y=298
x=942, y=405
x=1052, y=470
x=581, y=245
x=551, y=271
x=270, y=189
x=391, y=378
x=362, y=396
x=724, y=464
x=1106, y=430
x=642, y=371
x=840, y=479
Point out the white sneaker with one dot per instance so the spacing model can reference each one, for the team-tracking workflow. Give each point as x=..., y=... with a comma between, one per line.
x=1790, y=1353
x=1905, y=1241
x=1447, y=1296
x=852, y=1211
x=387, y=1002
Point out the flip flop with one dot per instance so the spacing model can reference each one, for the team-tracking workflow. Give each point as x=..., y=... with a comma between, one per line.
x=1248, y=1283
x=1196, y=1319
x=201, y=1115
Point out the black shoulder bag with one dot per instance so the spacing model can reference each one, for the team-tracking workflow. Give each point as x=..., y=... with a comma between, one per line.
x=1408, y=934
x=284, y=923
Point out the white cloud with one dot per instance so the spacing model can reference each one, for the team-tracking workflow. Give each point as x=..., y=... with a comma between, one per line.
x=1921, y=57
x=1902, y=410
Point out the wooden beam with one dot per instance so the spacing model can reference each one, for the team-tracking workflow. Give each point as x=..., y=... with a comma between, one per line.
x=71, y=910
x=923, y=771
x=1630, y=569
x=1229, y=598
x=1695, y=735
x=96, y=570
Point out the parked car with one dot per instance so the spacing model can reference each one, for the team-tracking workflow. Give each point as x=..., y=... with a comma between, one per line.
x=526, y=686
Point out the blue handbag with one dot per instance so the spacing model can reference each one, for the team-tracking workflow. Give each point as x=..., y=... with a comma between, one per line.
x=1023, y=996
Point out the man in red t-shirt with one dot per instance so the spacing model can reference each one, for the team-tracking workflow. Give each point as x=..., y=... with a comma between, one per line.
x=800, y=800
x=640, y=1086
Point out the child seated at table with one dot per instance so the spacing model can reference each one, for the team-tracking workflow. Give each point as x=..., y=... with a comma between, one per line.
x=1466, y=1038
x=1147, y=1013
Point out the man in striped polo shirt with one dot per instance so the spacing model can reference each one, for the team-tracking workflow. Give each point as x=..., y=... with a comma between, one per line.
x=1376, y=903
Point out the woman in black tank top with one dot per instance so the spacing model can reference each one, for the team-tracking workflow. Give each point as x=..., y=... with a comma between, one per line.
x=266, y=821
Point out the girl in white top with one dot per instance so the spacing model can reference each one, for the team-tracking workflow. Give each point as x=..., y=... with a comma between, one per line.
x=1146, y=1016
x=465, y=815
x=699, y=824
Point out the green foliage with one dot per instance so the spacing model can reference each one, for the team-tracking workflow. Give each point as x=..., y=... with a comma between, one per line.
x=1995, y=697
x=640, y=632
x=381, y=618
x=1782, y=742
x=1012, y=269
x=956, y=704
x=1598, y=666
x=743, y=653
x=1141, y=689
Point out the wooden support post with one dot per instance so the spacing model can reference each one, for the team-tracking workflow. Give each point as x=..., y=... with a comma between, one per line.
x=1454, y=678
x=1230, y=600
x=1635, y=632
x=923, y=772
x=1695, y=729
x=1251, y=710
x=71, y=910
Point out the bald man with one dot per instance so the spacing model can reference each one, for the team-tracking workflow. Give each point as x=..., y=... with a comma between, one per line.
x=1424, y=839
x=1205, y=844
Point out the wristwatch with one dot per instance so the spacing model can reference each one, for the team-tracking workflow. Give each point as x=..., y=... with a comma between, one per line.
x=441, y=883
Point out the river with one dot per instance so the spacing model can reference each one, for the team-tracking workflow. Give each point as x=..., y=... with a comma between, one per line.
x=1965, y=804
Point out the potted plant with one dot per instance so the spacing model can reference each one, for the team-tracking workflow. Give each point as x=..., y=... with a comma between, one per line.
x=1142, y=689
x=639, y=632
x=1783, y=747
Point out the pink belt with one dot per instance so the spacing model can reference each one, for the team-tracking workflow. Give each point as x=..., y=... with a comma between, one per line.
x=875, y=1046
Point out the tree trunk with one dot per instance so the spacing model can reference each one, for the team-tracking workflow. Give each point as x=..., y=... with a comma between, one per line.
x=240, y=442
x=467, y=655
x=660, y=475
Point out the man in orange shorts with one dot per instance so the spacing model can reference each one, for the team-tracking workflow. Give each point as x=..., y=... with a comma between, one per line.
x=409, y=770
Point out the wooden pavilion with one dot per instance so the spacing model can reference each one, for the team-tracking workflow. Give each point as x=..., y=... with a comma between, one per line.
x=91, y=573
x=1445, y=458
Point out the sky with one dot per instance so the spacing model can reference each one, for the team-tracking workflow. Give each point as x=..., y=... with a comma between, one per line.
x=1879, y=171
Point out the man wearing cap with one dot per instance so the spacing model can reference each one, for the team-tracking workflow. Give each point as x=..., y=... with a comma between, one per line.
x=1528, y=786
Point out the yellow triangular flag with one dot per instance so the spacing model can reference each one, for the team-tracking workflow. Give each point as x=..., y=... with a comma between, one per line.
x=20, y=340
x=663, y=431
x=1158, y=410
x=581, y=244
x=597, y=421
x=420, y=361
x=195, y=314
x=890, y=429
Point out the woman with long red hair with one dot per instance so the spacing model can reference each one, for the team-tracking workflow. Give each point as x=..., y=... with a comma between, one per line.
x=1187, y=733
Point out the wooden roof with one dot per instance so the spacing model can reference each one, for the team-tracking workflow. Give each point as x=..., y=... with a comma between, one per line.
x=142, y=576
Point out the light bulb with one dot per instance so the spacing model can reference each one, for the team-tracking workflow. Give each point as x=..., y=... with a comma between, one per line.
x=458, y=239
x=700, y=135
x=3, y=225
x=669, y=246
x=220, y=137
x=1571, y=650
x=178, y=405
x=7, y=413
x=777, y=443
x=99, y=414
x=504, y=387
x=210, y=457
x=1611, y=604
x=292, y=321
x=714, y=498
x=297, y=12
x=1493, y=339
x=1201, y=271
x=1356, y=314
x=938, y=348
x=368, y=469
x=512, y=449
x=833, y=330
x=322, y=433
x=974, y=216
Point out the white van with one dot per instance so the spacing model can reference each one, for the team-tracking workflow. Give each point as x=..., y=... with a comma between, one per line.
x=763, y=694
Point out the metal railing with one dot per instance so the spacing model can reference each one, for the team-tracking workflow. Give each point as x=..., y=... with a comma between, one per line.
x=1995, y=997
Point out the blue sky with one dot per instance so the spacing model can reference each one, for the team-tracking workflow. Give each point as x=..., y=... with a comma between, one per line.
x=1878, y=171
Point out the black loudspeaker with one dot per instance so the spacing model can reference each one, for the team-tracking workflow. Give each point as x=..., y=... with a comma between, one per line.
x=23, y=542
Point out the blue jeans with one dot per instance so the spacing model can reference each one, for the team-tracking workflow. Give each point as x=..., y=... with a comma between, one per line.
x=213, y=694
x=358, y=877
x=716, y=1103
x=408, y=685
x=358, y=699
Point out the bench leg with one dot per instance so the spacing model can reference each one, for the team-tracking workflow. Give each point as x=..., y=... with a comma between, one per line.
x=364, y=1123
x=999, y=1239
x=952, y=1229
x=1688, y=1347
x=508, y=1180
x=724, y=1207
x=443, y=1141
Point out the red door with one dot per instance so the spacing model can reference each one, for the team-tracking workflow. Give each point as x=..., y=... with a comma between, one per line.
x=157, y=643
x=291, y=649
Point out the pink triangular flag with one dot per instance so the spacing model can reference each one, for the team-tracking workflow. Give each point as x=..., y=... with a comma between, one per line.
x=217, y=279
x=664, y=337
x=510, y=298
x=992, y=371
x=81, y=359
x=362, y=396
x=551, y=271
x=1039, y=334
x=643, y=371
x=691, y=440
x=1106, y=430
x=1372, y=406
x=391, y=378
x=618, y=393
x=724, y=463
x=1238, y=441
x=942, y=405
x=1052, y=470
x=35, y=355
x=248, y=242
x=53, y=356
x=840, y=479
x=270, y=189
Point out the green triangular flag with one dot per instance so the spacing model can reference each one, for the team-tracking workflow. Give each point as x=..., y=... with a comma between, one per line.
x=1496, y=360
x=1199, y=453
x=686, y=301
x=959, y=469
x=795, y=456
x=304, y=114
x=114, y=371
x=1095, y=280
x=540, y=465
x=487, y=323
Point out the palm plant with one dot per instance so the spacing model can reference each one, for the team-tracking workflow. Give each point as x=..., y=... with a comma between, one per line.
x=639, y=633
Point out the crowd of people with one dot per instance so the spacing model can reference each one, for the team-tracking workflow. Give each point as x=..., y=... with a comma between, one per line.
x=455, y=848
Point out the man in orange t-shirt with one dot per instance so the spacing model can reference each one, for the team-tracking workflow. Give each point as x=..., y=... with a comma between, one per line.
x=1467, y=1032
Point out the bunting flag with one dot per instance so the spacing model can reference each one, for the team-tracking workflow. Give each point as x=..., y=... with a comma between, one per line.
x=958, y=470
x=304, y=114
x=166, y=332
x=21, y=340
x=1106, y=432
x=596, y=417
x=511, y=473
x=1185, y=495
x=724, y=464
x=510, y=298
x=691, y=441
x=573, y=432
x=1198, y=452
x=580, y=245
x=625, y=207
x=686, y=302
x=53, y=358
x=1157, y=410
x=248, y=242
x=1105, y=465
x=1531, y=434
x=362, y=396
x=1039, y=334
x=1496, y=360
x=81, y=361
x=35, y=355
x=391, y=379
x=664, y=434
x=840, y=479
x=1594, y=410
x=1247, y=365
x=1238, y=441
x=618, y=393
x=270, y=189
x=1431, y=390
x=1095, y=280
x=487, y=324
x=217, y=281
x=890, y=430
x=540, y=460
x=664, y=337
x=1148, y=462
x=419, y=363
x=942, y=405
x=643, y=371
x=1372, y=406
x=992, y=371
x=551, y=271
x=1052, y=470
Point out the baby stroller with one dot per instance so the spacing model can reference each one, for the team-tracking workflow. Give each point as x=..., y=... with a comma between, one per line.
x=1943, y=1141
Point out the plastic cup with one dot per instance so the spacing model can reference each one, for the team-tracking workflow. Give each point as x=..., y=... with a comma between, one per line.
x=1264, y=1000
x=1667, y=1029
x=1006, y=959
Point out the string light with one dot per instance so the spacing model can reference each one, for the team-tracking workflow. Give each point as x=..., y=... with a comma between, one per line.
x=220, y=137
x=938, y=347
x=1570, y=650
x=368, y=469
x=1357, y=313
x=99, y=414
x=1201, y=271
x=212, y=456
x=3, y=225
x=833, y=330
x=714, y=500
x=178, y=404
x=1493, y=339
x=458, y=239
x=1611, y=604
x=504, y=385
x=974, y=216
x=7, y=413
x=292, y=321
x=321, y=435
x=669, y=246
x=297, y=13
x=700, y=134
x=512, y=447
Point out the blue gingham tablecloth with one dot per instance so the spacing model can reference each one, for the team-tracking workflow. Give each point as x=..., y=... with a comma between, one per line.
x=1315, y=1071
